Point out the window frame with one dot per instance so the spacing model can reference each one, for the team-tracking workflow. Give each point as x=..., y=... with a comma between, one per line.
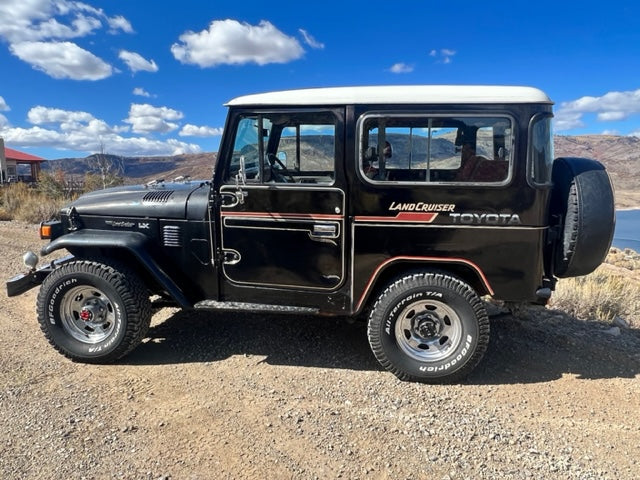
x=530, y=174
x=261, y=114
x=427, y=115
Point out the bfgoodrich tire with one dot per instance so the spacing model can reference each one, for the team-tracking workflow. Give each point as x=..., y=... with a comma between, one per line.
x=93, y=312
x=428, y=327
x=583, y=200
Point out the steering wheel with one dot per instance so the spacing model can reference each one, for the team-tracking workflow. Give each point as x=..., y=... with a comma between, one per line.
x=280, y=172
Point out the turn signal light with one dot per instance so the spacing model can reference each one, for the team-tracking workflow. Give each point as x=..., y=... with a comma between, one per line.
x=45, y=231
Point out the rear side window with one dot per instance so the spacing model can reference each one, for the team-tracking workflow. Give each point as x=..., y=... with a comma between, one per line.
x=540, y=155
x=416, y=148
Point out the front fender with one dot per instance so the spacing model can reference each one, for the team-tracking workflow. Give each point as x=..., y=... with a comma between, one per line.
x=134, y=242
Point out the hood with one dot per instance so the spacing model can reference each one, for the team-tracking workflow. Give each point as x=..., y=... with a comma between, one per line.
x=160, y=200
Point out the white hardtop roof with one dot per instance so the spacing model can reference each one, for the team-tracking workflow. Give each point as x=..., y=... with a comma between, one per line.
x=396, y=94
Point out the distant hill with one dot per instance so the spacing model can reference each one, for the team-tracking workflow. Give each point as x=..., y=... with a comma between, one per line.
x=621, y=156
x=143, y=169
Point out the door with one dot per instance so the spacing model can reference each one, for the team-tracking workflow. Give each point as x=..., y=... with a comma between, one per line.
x=282, y=206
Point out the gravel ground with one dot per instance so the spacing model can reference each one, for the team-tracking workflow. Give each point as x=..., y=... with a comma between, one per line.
x=252, y=396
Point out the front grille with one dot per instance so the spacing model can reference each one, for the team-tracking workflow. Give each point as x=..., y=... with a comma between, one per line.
x=158, y=196
x=171, y=236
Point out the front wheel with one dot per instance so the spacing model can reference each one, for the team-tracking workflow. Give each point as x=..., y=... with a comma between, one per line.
x=93, y=312
x=428, y=327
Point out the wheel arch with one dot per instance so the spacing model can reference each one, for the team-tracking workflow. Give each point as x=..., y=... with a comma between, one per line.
x=131, y=247
x=395, y=267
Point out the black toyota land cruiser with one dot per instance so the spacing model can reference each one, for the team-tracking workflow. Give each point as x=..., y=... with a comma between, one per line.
x=404, y=205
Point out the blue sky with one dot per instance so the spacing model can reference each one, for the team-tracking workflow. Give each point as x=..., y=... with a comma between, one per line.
x=151, y=78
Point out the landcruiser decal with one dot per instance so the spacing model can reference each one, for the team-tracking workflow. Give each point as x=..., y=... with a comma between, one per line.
x=485, y=218
x=422, y=207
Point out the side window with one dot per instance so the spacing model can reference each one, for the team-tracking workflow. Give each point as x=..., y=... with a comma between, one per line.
x=285, y=147
x=308, y=152
x=443, y=149
x=540, y=150
x=247, y=145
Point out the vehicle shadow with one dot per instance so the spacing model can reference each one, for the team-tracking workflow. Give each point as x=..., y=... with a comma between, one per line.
x=536, y=349
x=301, y=340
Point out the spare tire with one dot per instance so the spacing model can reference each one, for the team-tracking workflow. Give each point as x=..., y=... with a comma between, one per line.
x=582, y=206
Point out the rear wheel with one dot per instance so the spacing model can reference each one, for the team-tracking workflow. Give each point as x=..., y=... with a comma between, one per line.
x=428, y=327
x=93, y=312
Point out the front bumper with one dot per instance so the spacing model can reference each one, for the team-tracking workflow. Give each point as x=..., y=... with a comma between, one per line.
x=26, y=281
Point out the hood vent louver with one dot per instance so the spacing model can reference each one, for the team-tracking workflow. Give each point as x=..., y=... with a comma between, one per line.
x=160, y=196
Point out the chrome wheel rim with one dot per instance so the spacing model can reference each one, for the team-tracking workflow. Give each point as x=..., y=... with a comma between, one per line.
x=87, y=314
x=428, y=330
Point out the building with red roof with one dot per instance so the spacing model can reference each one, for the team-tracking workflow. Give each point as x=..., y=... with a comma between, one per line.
x=16, y=166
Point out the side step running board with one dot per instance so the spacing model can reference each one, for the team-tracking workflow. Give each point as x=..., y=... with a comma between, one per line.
x=253, y=307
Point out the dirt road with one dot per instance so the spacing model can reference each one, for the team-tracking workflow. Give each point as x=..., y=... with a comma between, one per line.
x=260, y=397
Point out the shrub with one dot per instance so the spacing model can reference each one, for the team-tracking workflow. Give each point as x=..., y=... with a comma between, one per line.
x=626, y=258
x=612, y=290
x=13, y=196
x=38, y=208
x=4, y=215
x=21, y=202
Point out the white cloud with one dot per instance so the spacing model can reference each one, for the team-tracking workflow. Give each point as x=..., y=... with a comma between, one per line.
x=611, y=106
x=234, y=43
x=141, y=92
x=309, y=40
x=145, y=118
x=32, y=20
x=28, y=20
x=137, y=62
x=119, y=23
x=43, y=115
x=35, y=29
x=401, y=68
x=194, y=131
x=82, y=132
x=443, y=55
x=611, y=116
x=567, y=120
x=62, y=60
x=3, y=105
